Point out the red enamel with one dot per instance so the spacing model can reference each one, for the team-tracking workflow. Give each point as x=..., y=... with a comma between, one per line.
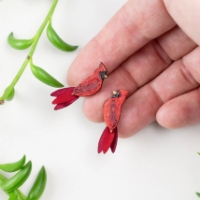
x=114, y=142
x=92, y=84
x=63, y=105
x=59, y=92
x=105, y=140
x=64, y=97
x=112, y=109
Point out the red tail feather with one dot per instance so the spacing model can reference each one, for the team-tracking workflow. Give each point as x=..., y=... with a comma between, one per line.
x=114, y=142
x=63, y=105
x=64, y=97
x=62, y=91
x=105, y=140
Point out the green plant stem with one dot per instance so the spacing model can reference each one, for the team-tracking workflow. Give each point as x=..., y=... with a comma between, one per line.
x=32, y=50
x=20, y=194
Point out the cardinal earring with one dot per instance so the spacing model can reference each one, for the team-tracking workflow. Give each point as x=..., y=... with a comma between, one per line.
x=111, y=112
x=90, y=86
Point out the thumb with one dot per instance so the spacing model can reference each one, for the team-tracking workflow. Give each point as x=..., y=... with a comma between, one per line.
x=186, y=14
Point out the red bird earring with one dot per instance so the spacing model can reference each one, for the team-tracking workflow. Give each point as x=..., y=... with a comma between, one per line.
x=112, y=112
x=112, y=107
x=91, y=85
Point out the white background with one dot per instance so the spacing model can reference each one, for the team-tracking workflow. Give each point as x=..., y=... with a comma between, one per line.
x=155, y=164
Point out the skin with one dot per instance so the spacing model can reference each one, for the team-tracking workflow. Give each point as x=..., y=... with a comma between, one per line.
x=150, y=48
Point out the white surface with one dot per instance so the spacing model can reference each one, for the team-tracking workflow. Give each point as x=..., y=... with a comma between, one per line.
x=155, y=164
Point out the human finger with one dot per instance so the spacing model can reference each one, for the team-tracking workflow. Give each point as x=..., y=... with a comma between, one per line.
x=133, y=26
x=181, y=111
x=186, y=14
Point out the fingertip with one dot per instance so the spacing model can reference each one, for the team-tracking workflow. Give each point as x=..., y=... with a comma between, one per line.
x=171, y=116
x=181, y=111
x=164, y=119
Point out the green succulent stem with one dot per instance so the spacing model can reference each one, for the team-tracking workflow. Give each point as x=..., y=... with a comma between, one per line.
x=18, y=192
x=31, y=52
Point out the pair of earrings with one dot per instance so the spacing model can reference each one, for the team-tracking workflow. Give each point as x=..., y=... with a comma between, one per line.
x=111, y=110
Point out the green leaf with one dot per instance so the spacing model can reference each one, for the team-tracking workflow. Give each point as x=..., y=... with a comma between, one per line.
x=19, y=44
x=15, y=166
x=45, y=77
x=55, y=39
x=38, y=186
x=18, y=179
x=198, y=194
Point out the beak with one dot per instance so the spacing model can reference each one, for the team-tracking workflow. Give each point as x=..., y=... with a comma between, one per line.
x=114, y=92
x=105, y=76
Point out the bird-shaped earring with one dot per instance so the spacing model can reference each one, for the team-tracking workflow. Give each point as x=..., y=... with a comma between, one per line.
x=90, y=86
x=111, y=112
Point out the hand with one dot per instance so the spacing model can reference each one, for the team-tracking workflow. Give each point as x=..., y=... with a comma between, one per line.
x=147, y=50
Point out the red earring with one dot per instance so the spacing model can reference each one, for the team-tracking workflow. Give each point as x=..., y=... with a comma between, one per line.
x=111, y=111
x=91, y=85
